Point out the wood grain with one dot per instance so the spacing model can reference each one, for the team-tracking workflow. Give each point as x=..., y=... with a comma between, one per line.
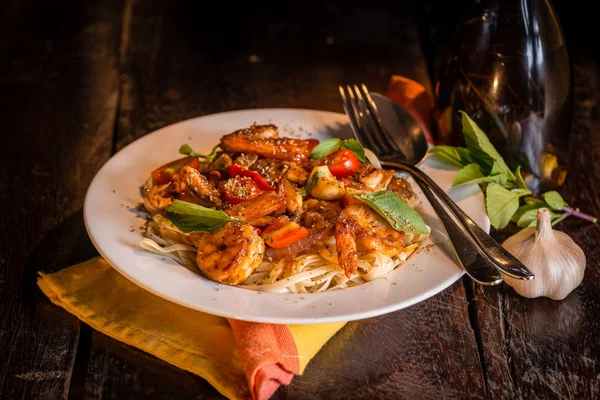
x=58, y=84
x=80, y=80
x=540, y=347
x=116, y=370
x=176, y=69
x=289, y=56
x=424, y=346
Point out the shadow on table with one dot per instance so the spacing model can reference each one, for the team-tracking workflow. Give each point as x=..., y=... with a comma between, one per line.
x=102, y=364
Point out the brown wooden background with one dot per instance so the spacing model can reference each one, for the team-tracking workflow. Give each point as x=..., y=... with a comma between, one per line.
x=81, y=79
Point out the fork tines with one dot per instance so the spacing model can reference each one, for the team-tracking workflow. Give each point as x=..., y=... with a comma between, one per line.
x=365, y=121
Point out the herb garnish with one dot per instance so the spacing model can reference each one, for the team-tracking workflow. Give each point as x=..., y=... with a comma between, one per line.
x=507, y=197
x=328, y=146
x=187, y=150
x=401, y=216
x=190, y=217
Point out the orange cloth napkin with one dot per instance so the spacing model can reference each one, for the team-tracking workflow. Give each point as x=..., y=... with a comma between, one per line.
x=240, y=359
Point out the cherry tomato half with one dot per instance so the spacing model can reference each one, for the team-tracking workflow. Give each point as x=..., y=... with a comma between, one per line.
x=164, y=174
x=240, y=188
x=342, y=163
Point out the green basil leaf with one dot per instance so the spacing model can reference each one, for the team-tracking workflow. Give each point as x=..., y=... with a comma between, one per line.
x=464, y=154
x=501, y=204
x=455, y=156
x=325, y=148
x=468, y=174
x=190, y=217
x=529, y=218
x=497, y=168
x=520, y=182
x=188, y=151
x=521, y=192
x=533, y=200
x=554, y=200
x=396, y=211
x=356, y=147
x=482, y=150
x=471, y=174
x=312, y=181
x=524, y=208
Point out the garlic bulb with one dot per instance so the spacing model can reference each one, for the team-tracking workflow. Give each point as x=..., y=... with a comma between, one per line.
x=557, y=262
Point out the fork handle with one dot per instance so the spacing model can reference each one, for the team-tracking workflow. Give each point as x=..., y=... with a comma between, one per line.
x=470, y=257
x=493, y=250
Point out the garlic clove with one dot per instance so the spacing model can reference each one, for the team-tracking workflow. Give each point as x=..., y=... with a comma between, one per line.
x=557, y=262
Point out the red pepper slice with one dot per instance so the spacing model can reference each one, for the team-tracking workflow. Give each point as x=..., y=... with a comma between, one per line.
x=236, y=170
x=240, y=188
x=164, y=174
x=283, y=232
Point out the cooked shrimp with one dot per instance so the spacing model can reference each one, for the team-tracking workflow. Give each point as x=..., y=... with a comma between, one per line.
x=263, y=140
x=360, y=229
x=159, y=196
x=264, y=204
x=230, y=255
x=292, y=196
x=191, y=178
x=378, y=179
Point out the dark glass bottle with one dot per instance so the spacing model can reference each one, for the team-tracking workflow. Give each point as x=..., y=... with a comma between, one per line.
x=508, y=68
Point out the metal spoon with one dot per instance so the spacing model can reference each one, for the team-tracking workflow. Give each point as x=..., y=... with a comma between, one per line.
x=412, y=146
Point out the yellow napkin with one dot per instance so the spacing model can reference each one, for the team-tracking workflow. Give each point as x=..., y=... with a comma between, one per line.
x=240, y=359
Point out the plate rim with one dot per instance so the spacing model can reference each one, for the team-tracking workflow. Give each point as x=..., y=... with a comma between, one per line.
x=357, y=315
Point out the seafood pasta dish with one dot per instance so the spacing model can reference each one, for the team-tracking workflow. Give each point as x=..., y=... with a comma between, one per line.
x=281, y=214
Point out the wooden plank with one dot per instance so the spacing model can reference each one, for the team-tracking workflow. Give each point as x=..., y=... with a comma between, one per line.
x=290, y=56
x=116, y=370
x=57, y=105
x=294, y=55
x=546, y=348
x=541, y=348
x=426, y=351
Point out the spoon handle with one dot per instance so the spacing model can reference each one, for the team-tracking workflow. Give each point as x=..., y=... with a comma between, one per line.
x=470, y=257
x=493, y=250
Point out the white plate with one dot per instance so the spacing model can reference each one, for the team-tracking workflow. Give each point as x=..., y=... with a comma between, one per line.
x=114, y=227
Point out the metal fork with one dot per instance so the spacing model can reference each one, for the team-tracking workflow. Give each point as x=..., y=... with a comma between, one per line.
x=480, y=255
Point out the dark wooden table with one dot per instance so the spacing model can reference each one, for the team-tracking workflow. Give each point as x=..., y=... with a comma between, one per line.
x=81, y=79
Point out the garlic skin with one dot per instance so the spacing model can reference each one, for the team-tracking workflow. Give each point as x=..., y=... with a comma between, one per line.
x=557, y=262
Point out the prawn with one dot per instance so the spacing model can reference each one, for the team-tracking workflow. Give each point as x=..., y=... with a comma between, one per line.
x=191, y=178
x=360, y=229
x=188, y=183
x=229, y=255
x=159, y=195
x=264, y=204
x=264, y=141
